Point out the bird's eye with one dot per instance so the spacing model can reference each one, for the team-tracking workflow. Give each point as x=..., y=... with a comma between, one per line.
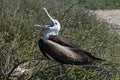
x=55, y=23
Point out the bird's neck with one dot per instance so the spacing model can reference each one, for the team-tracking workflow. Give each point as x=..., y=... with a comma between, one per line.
x=46, y=35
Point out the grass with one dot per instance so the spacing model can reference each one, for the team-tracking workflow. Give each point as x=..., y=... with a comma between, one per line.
x=100, y=4
x=18, y=39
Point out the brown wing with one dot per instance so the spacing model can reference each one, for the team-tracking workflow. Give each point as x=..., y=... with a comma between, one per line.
x=60, y=40
x=64, y=52
x=67, y=55
x=85, y=53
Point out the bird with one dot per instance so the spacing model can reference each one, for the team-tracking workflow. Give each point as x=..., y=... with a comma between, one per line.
x=54, y=46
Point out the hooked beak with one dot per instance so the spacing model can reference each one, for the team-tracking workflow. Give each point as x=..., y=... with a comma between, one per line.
x=48, y=14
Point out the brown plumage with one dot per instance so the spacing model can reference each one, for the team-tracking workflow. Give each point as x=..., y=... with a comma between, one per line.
x=61, y=50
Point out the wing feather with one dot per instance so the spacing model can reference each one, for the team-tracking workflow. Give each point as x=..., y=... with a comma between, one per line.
x=63, y=51
x=60, y=40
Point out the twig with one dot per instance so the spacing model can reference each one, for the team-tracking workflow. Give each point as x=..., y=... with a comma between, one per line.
x=11, y=71
x=22, y=44
x=68, y=10
x=51, y=67
x=18, y=6
x=43, y=70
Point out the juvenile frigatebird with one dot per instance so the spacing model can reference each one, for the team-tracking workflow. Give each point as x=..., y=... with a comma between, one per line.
x=61, y=49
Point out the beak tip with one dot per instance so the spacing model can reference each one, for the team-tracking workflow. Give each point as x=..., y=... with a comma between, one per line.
x=43, y=8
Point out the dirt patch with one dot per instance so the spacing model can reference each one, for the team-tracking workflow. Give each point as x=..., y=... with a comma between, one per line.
x=111, y=16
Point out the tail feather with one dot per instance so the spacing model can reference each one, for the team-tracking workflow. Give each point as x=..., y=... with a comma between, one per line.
x=93, y=57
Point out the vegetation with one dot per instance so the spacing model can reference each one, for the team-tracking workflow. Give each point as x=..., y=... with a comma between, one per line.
x=19, y=40
x=100, y=4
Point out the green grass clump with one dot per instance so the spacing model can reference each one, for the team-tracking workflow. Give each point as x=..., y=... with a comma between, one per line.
x=19, y=39
x=100, y=4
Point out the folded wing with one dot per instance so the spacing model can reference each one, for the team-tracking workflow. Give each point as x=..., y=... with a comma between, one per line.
x=64, y=52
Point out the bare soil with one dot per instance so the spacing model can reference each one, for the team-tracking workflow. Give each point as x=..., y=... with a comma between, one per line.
x=111, y=16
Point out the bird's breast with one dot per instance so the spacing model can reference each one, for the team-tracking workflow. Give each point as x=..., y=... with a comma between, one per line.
x=47, y=33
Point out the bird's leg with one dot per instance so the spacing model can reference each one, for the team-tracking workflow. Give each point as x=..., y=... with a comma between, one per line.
x=61, y=69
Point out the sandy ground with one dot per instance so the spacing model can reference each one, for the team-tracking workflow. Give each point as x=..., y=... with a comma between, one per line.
x=111, y=16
